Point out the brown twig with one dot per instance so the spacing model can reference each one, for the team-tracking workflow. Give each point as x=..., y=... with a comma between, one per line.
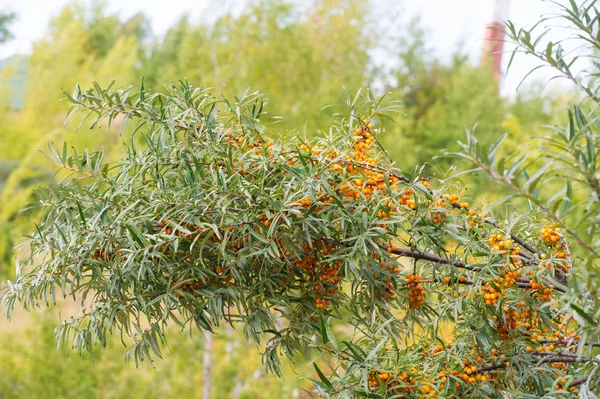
x=521, y=283
x=578, y=381
x=566, y=342
x=429, y=257
x=562, y=358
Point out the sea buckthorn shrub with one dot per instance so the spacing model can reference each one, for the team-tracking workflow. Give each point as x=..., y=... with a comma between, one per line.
x=209, y=218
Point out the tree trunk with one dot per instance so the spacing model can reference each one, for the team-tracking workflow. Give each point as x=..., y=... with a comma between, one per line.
x=206, y=365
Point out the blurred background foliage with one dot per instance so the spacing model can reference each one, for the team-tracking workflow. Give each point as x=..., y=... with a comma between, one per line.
x=302, y=57
x=33, y=368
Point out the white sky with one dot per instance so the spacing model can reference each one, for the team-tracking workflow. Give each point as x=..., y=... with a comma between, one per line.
x=451, y=23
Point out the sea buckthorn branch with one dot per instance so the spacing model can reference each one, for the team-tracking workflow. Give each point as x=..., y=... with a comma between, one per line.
x=516, y=188
x=462, y=378
x=561, y=354
x=448, y=280
x=188, y=283
x=364, y=124
x=578, y=381
x=531, y=250
x=557, y=358
x=377, y=168
x=550, y=358
x=553, y=55
x=567, y=342
x=218, y=223
x=426, y=256
x=418, y=255
x=105, y=105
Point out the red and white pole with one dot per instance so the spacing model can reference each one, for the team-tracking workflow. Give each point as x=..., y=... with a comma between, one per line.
x=494, y=37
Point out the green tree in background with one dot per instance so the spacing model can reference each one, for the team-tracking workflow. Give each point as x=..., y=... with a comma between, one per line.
x=301, y=58
x=6, y=18
x=82, y=44
x=33, y=368
x=441, y=100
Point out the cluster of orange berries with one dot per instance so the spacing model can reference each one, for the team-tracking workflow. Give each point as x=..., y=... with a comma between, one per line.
x=473, y=218
x=453, y=199
x=169, y=230
x=407, y=199
x=269, y=144
x=560, y=386
x=225, y=279
x=498, y=244
x=231, y=139
x=416, y=292
x=401, y=382
x=561, y=366
x=491, y=294
x=552, y=237
x=385, y=212
x=510, y=277
x=517, y=316
x=373, y=180
x=548, y=348
x=386, y=378
x=369, y=178
x=461, y=279
x=190, y=287
x=438, y=217
x=561, y=335
x=521, y=316
x=324, y=274
x=391, y=268
x=307, y=203
x=422, y=387
x=265, y=220
x=100, y=253
x=564, y=331
x=388, y=286
x=328, y=283
x=363, y=142
x=469, y=375
x=550, y=234
x=108, y=255
x=541, y=291
x=191, y=131
x=318, y=149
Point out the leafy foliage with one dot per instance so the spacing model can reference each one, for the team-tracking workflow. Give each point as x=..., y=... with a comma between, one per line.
x=301, y=57
x=212, y=217
x=212, y=221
